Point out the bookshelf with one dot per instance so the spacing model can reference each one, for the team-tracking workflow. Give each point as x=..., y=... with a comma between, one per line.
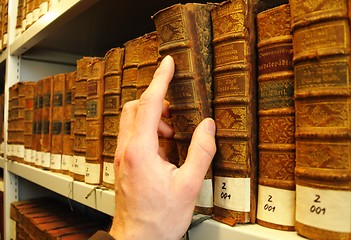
x=70, y=30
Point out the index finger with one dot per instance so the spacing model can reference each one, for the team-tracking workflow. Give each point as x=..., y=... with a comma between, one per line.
x=152, y=100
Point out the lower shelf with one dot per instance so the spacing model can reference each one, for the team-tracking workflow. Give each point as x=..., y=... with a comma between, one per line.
x=96, y=197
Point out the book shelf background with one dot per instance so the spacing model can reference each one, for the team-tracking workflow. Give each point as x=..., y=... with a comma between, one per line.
x=70, y=30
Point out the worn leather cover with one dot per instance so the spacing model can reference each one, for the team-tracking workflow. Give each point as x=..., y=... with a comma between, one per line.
x=130, y=70
x=321, y=43
x=184, y=32
x=58, y=103
x=67, y=147
x=28, y=120
x=94, y=118
x=38, y=113
x=276, y=114
x=114, y=60
x=12, y=121
x=235, y=111
x=79, y=143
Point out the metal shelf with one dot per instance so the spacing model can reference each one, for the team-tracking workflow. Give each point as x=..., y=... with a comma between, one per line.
x=98, y=198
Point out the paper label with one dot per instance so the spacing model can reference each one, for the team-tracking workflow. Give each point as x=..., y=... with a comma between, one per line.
x=27, y=155
x=33, y=156
x=14, y=150
x=20, y=151
x=205, y=198
x=108, y=173
x=67, y=162
x=13, y=231
x=92, y=173
x=36, y=14
x=232, y=193
x=43, y=8
x=276, y=205
x=325, y=209
x=2, y=148
x=29, y=18
x=38, y=158
x=9, y=150
x=78, y=165
x=45, y=161
x=55, y=161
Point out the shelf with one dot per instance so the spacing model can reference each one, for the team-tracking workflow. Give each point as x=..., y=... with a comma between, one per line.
x=96, y=197
x=211, y=229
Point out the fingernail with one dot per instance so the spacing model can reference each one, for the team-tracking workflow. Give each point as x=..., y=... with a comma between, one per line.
x=210, y=126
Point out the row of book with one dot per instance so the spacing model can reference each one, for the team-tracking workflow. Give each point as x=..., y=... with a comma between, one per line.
x=29, y=11
x=48, y=218
x=275, y=80
x=4, y=18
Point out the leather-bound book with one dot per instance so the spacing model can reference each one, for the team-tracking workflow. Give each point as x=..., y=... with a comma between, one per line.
x=19, y=136
x=130, y=70
x=149, y=59
x=2, y=117
x=57, y=123
x=19, y=17
x=67, y=147
x=276, y=120
x=28, y=121
x=235, y=111
x=114, y=59
x=94, y=121
x=34, y=126
x=12, y=121
x=39, y=155
x=79, y=147
x=46, y=121
x=184, y=32
x=72, y=135
x=322, y=67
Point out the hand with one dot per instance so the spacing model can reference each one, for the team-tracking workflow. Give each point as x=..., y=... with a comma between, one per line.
x=155, y=199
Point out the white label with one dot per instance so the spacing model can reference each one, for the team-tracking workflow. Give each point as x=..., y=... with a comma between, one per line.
x=205, y=198
x=20, y=151
x=24, y=24
x=33, y=156
x=2, y=148
x=45, y=161
x=232, y=193
x=36, y=14
x=67, y=162
x=78, y=165
x=28, y=155
x=53, y=3
x=14, y=150
x=109, y=173
x=29, y=18
x=92, y=173
x=55, y=161
x=44, y=8
x=325, y=209
x=276, y=205
x=38, y=158
x=9, y=149
x=13, y=231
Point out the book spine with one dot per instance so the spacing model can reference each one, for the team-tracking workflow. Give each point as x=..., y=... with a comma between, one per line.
x=114, y=59
x=276, y=120
x=184, y=32
x=73, y=119
x=28, y=121
x=130, y=70
x=322, y=59
x=39, y=124
x=67, y=148
x=46, y=121
x=79, y=147
x=57, y=122
x=94, y=111
x=12, y=116
x=235, y=111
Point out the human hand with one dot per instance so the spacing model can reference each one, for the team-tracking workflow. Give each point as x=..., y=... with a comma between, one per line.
x=155, y=199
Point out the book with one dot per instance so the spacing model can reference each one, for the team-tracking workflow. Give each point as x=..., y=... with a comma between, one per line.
x=114, y=60
x=2, y=119
x=276, y=119
x=67, y=148
x=79, y=147
x=28, y=121
x=184, y=32
x=72, y=134
x=57, y=123
x=12, y=121
x=322, y=59
x=20, y=128
x=235, y=111
x=46, y=119
x=94, y=121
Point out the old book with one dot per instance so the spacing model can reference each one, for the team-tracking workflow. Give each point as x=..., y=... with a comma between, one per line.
x=235, y=111
x=67, y=148
x=276, y=120
x=19, y=17
x=72, y=135
x=37, y=124
x=322, y=59
x=114, y=59
x=94, y=121
x=12, y=121
x=130, y=70
x=184, y=32
x=57, y=123
x=2, y=118
x=28, y=121
x=19, y=137
x=46, y=118
x=4, y=23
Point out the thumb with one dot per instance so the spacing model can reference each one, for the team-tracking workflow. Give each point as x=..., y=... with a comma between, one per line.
x=201, y=150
